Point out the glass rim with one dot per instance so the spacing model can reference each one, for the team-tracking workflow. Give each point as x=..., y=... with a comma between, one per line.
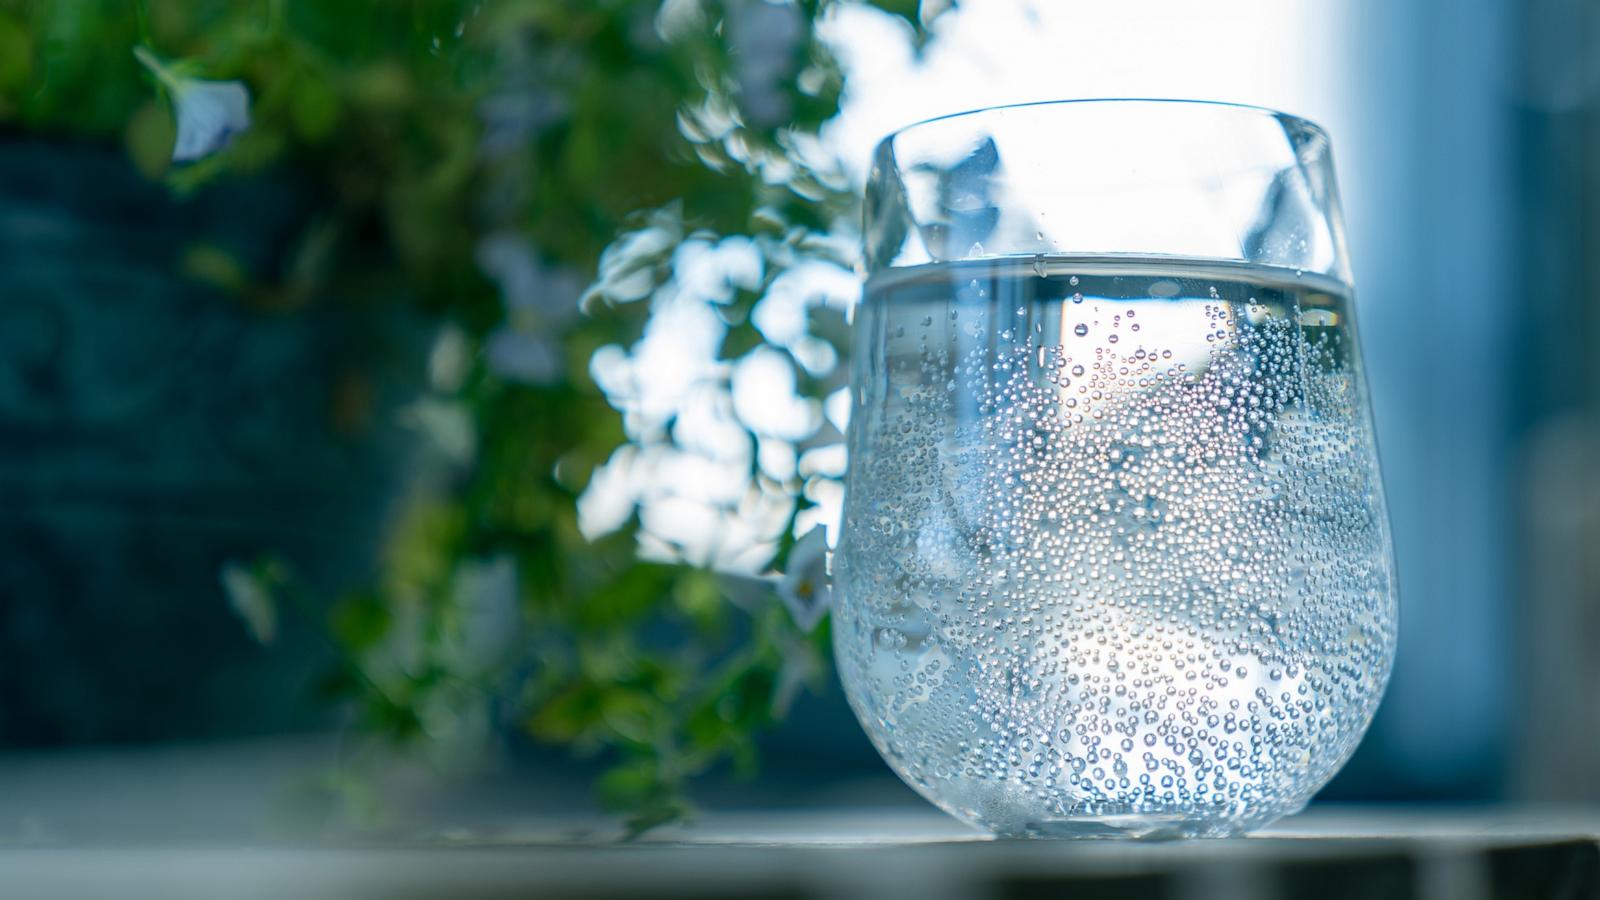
x=1218, y=105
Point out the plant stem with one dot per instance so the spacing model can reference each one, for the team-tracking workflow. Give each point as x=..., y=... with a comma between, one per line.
x=156, y=66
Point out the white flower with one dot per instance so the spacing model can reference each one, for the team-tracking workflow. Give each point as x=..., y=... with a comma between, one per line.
x=251, y=597
x=209, y=113
x=522, y=356
x=764, y=37
x=628, y=266
x=804, y=588
x=448, y=423
x=485, y=595
x=528, y=287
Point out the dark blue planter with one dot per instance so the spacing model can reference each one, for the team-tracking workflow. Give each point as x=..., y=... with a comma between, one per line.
x=152, y=429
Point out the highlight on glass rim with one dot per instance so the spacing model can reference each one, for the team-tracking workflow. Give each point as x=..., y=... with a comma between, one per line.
x=821, y=448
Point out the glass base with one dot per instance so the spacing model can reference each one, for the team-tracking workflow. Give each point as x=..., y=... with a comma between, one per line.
x=1124, y=827
x=1009, y=810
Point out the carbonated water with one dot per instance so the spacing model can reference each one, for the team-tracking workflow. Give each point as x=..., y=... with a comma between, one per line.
x=1115, y=557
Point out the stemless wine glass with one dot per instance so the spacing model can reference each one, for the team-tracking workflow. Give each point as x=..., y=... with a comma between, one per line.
x=1115, y=557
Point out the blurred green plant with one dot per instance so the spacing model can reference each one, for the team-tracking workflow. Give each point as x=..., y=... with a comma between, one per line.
x=482, y=160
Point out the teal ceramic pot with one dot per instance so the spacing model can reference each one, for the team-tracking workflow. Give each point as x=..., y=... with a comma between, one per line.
x=152, y=428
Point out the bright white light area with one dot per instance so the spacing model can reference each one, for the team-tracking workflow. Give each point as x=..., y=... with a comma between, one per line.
x=1285, y=54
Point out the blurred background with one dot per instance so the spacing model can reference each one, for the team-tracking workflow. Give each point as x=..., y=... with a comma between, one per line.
x=356, y=426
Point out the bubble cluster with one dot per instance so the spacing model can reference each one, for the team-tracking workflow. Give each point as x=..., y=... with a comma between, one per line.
x=1115, y=556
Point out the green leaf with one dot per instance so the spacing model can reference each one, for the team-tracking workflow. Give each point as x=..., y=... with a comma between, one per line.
x=698, y=596
x=640, y=588
x=360, y=621
x=212, y=265
x=16, y=57
x=633, y=785
x=570, y=715
x=148, y=136
x=314, y=108
x=631, y=715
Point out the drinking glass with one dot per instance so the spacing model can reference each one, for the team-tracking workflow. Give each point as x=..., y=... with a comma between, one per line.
x=1115, y=557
